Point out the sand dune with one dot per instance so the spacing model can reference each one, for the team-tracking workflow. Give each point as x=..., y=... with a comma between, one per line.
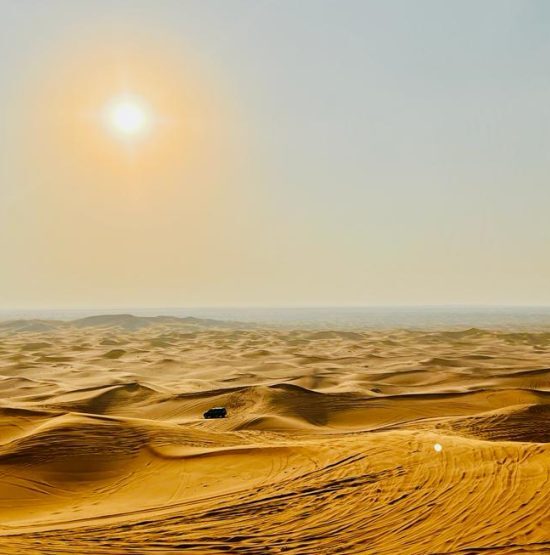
x=328, y=447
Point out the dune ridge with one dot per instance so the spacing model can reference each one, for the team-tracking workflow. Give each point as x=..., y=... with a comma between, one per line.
x=328, y=447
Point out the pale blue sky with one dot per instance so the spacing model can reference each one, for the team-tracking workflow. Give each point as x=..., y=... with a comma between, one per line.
x=390, y=152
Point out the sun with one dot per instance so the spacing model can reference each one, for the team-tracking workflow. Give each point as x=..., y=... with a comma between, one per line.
x=128, y=117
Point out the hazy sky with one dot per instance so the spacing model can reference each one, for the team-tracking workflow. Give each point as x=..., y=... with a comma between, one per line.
x=303, y=152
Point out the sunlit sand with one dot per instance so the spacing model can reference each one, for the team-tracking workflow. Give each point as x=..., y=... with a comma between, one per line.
x=334, y=442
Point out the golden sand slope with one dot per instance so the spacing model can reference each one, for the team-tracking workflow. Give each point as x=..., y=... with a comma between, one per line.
x=328, y=448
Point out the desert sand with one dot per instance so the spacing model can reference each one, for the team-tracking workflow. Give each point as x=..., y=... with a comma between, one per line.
x=336, y=442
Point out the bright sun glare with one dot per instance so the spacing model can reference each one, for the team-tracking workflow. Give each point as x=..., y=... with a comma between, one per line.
x=127, y=117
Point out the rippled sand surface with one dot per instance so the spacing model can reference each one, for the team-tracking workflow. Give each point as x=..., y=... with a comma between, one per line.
x=328, y=446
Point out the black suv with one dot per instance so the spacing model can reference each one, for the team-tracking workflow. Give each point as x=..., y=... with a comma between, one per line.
x=215, y=412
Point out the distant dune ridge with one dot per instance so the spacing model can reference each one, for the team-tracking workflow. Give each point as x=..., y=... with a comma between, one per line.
x=329, y=446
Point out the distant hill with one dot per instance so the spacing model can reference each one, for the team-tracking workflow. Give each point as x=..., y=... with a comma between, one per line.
x=127, y=322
